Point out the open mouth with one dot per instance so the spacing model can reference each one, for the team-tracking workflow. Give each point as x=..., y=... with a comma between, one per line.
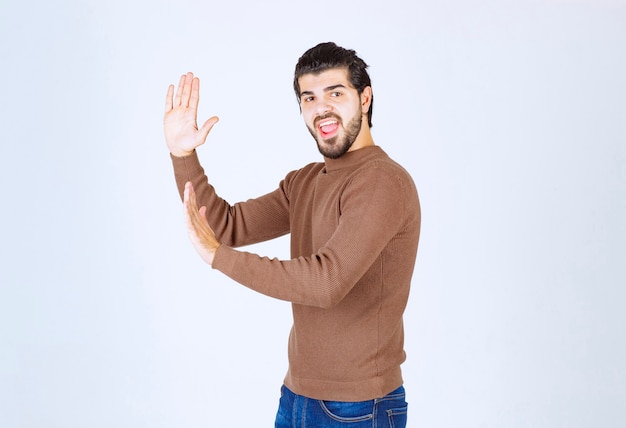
x=328, y=127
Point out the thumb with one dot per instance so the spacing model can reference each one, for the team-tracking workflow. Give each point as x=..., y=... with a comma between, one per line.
x=208, y=125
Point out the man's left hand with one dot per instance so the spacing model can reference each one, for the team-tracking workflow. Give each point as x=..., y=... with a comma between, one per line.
x=200, y=233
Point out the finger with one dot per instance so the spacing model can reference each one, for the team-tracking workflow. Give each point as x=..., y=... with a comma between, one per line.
x=179, y=90
x=191, y=204
x=202, y=213
x=184, y=101
x=168, y=98
x=194, y=97
x=190, y=208
x=208, y=125
x=192, y=226
x=205, y=222
x=197, y=224
x=189, y=195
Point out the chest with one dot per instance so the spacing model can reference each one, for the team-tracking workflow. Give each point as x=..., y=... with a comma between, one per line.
x=315, y=213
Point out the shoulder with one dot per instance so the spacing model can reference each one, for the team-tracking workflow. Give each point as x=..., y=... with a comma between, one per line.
x=382, y=182
x=298, y=178
x=383, y=168
x=309, y=170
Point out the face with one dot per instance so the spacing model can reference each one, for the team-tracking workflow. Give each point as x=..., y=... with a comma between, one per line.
x=333, y=111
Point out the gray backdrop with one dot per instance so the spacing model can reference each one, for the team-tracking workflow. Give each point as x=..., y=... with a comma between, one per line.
x=510, y=115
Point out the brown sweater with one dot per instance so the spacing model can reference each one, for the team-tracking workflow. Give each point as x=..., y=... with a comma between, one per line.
x=354, y=224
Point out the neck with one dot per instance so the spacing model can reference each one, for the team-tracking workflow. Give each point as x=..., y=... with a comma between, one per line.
x=364, y=139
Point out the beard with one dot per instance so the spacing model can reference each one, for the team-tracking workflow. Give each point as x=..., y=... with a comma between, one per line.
x=338, y=145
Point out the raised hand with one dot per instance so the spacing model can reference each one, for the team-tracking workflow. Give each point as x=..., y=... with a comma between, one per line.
x=200, y=233
x=182, y=134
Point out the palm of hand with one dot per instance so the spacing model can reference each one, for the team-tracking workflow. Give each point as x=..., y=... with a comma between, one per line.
x=182, y=134
x=181, y=130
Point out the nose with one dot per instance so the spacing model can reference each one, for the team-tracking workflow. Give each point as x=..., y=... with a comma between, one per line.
x=322, y=107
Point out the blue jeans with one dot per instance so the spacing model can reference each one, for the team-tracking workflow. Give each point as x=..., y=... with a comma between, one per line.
x=296, y=411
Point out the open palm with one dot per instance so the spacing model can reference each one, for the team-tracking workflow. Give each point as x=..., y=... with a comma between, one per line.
x=182, y=134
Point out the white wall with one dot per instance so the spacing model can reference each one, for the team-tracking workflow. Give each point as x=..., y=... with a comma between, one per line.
x=510, y=115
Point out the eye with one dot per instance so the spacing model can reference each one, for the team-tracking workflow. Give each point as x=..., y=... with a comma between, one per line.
x=308, y=99
x=335, y=94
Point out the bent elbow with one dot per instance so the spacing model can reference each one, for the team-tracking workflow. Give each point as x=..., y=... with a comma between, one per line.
x=331, y=298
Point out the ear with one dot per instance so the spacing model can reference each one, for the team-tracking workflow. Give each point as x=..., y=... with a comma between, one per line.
x=366, y=99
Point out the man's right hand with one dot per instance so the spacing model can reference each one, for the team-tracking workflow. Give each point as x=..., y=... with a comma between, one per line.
x=181, y=113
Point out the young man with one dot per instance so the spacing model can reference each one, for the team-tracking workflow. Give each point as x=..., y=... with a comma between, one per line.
x=354, y=221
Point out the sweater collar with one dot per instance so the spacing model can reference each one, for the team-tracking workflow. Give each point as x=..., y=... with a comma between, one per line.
x=352, y=158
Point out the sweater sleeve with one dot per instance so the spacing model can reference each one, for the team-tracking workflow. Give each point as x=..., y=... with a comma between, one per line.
x=243, y=223
x=376, y=205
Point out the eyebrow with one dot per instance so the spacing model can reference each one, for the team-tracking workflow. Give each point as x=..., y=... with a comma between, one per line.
x=326, y=89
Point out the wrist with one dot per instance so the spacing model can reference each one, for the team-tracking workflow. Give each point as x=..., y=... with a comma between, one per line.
x=180, y=153
x=211, y=255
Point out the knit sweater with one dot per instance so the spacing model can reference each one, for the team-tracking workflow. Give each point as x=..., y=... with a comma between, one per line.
x=354, y=224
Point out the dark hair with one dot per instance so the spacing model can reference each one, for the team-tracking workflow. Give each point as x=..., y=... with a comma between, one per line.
x=328, y=55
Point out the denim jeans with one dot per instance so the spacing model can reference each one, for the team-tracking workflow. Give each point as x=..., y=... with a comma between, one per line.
x=296, y=411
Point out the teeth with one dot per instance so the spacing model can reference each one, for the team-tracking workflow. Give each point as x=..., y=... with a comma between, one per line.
x=328, y=122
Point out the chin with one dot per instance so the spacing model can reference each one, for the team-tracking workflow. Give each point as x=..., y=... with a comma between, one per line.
x=334, y=150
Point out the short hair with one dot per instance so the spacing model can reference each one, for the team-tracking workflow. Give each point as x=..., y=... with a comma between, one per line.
x=328, y=55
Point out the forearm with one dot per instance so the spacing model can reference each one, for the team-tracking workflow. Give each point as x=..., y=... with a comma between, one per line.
x=310, y=281
x=188, y=168
x=235, y=225
x=377, y=226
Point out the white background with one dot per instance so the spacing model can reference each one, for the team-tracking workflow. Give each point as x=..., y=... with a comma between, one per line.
x=510, y=115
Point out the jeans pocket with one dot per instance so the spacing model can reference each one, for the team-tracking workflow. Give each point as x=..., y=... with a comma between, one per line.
x=347, y=411
x=397, y=417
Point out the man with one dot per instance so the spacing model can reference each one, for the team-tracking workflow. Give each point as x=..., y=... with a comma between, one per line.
x=354, y=221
